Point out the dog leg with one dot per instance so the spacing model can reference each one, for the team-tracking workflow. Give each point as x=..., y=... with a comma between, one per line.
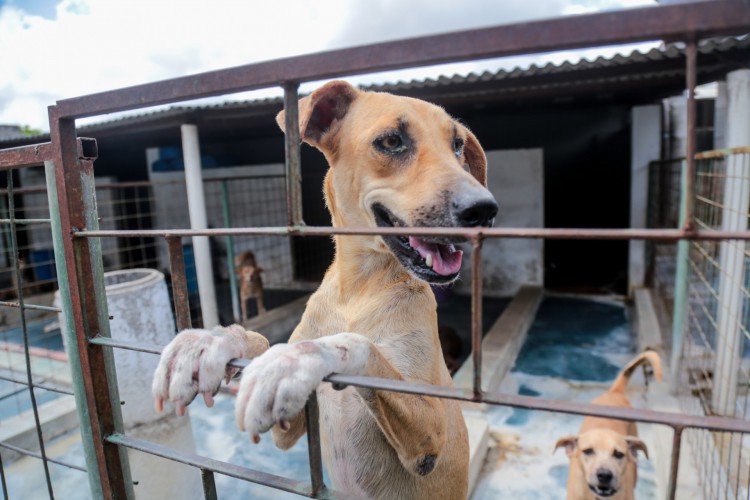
x=275, y=388
x=195, y=362
x=261, y=306
x=243, y=307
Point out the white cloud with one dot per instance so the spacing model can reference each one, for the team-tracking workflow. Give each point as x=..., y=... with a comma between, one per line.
x=94, y=45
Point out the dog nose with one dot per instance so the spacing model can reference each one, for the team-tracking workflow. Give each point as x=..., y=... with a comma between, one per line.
x=604, y=476
x=477, y=213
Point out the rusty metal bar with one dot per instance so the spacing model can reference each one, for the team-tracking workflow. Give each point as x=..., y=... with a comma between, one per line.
x=714, y=423
x=675, y=462
x=720, y=153
x=313, y=445
x=122, y=344
x=292, y=155
x=476, y=313
x=691, y=54
x=108, y=470
x=25, y=221
x=179, y=283
x=725, y=424
x=37, y=154
x=664, y=22
x=665, y=235
x=24, y=329
x=258, y=477
x=30, y=306
x=34, y=454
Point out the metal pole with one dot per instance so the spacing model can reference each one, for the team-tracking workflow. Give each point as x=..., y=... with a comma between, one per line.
x=226, y=212
x=198, y=220
x=102, y=402
x=680, y=287
x=292, y=155
x=67, y=327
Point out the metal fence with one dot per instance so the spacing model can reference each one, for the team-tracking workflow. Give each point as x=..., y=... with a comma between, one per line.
x=714, y=365
x=78, y=239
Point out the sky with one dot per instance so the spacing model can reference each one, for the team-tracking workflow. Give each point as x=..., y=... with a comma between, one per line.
x=56, y=49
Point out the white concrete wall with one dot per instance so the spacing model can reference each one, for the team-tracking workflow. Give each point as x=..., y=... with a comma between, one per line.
x=645, y=147
x=516, y=179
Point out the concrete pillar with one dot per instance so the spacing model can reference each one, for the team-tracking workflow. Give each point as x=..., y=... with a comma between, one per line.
x=197, y=207
x=735, y=207
x=645, y=147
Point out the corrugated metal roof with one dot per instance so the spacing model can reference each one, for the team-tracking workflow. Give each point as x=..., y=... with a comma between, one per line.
x=486, y=79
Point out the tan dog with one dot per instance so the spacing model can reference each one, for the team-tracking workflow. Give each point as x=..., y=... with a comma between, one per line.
x=394, y=161
x=604, y=455
x=251, y=284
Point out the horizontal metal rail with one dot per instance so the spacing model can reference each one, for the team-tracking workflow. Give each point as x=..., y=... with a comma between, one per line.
x=227, y=469
x=32, y=307
x=674, y=420
x=37, y=154
x=46, y=387
x=449, y=232
x=25, y=222
x=665, y=22
x=34, y=454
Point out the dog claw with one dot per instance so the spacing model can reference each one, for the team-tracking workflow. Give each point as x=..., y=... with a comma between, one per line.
x=256, y=438
x=180, y=408
x=284, y=424
x=208, y=399
x=159, y=405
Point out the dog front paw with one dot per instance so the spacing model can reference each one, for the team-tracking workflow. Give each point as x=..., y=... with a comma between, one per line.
x=275, y=387
x=196, y=362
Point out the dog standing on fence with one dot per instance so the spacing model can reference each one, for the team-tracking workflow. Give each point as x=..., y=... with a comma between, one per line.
x=604, y=455
x=394, y=162
x=250, y=282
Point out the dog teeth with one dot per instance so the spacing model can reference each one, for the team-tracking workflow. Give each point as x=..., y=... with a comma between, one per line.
x=428, y=260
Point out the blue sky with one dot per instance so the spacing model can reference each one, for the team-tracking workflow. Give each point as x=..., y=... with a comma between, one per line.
x=54, y=49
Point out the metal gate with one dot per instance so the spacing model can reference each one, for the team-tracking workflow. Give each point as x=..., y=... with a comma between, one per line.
x=69, y=166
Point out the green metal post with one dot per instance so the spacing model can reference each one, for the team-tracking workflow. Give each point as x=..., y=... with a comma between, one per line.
x=230, y=251
x=68, y=330
x=680, y=283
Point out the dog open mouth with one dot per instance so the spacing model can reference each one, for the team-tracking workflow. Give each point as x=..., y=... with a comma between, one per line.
x=434, y=260
x=602, y=491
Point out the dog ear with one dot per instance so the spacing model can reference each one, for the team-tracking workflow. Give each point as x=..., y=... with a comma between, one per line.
x=475, y=158
x=319, y=112
x=570, y=443
x=635, y=444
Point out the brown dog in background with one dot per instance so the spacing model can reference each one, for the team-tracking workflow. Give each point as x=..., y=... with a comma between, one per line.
x=394, y=162
x=251, y=284
x=604, y=455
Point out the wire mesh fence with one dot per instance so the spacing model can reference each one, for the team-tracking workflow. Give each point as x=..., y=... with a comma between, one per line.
x=714, y=351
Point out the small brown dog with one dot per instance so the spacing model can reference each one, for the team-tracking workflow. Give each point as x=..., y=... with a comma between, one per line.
x=604, y=455
x=251, y=284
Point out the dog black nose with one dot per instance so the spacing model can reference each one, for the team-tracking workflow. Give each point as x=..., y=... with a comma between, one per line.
x=604, y=476
x=478, y=213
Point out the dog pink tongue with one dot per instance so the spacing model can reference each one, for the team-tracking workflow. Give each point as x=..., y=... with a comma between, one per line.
x=445, y=259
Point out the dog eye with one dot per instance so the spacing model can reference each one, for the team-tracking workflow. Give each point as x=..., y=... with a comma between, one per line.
x=458, y=146
x=392, y=143
x=588, y=452
x=618, y=454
